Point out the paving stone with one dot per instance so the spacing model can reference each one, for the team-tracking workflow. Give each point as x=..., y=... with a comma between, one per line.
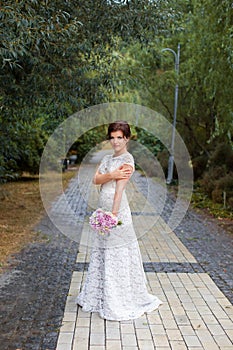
x=82, y=314
x=97, y=339
x=113, y=345
x=210, y=345
x=81, y=344
x=182, y=320
x=96, y=328
x=142, y=333
x=193, y=315
x=112, y=324
x=216, y=329
x=67, y=326
x=141, y=322
x=169, y=324
x=145, y=344
x=112, y=333
x=223, y=340
x=127, y=328
x=65, y=338
x=157, y=329
x=186, y=330
x=178, y=345
x=161, y=340
x=197, y=324
x=83, y=322
x=192, y=340
x=128, y=339
x=204, y=335
x=227, y=324
x=174, y=334
x=63, y=347
x=229, y=333
x=208, y=318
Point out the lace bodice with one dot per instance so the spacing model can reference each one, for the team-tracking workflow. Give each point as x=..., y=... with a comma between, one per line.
x=110, y=163
x=123, y=234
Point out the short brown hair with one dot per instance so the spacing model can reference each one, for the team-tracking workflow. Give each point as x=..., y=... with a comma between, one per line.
x=119, y=125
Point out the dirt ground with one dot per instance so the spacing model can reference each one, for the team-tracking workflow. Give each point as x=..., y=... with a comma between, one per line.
x=21, y=208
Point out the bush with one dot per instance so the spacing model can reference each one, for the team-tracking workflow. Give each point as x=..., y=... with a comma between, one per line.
x=87, y=142
x=208, y=182
x=23, y=146
x=146, y=150
x=199, y=165
x=230, y=202
x=224, y=184
x=219, y=176
x=222, y=155
x=217, y=196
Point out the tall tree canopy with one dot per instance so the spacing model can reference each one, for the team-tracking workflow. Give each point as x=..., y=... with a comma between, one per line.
x=57, y=57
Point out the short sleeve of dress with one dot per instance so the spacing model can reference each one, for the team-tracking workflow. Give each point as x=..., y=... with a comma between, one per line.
x=103, y=165
x=128, y=159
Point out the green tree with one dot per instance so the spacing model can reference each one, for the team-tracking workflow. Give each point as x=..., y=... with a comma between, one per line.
x=207, y=74
x=206, y=71
x=57, y=57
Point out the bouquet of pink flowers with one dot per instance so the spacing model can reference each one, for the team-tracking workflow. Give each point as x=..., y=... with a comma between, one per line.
x=103, y=221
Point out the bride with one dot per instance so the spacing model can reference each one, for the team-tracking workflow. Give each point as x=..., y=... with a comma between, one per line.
x=115, y=286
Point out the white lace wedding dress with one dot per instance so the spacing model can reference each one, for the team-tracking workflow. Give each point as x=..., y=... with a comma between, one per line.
x=115, y=286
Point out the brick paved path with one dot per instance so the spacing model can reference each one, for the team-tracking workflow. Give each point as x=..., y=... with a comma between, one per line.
x=195, y=315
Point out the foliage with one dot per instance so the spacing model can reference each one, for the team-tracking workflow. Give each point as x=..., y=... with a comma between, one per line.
x=218, y=178
x=202, y=201
x=149, y=140
x=87, y=142
x=206, y=72
x=206, y=75
x=22, y=147
x=145, y=151
x=50, y=49
x=59, y=57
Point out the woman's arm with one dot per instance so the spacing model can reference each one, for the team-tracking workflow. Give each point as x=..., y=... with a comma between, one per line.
x=123, y=172
x=120, y=186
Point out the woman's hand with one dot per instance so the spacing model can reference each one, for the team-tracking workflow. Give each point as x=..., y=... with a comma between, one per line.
x=123, y=172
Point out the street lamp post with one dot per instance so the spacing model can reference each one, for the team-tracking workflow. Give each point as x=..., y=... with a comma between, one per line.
x=171, y=156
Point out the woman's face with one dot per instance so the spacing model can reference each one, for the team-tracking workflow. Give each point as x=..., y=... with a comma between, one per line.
x=118, y=141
